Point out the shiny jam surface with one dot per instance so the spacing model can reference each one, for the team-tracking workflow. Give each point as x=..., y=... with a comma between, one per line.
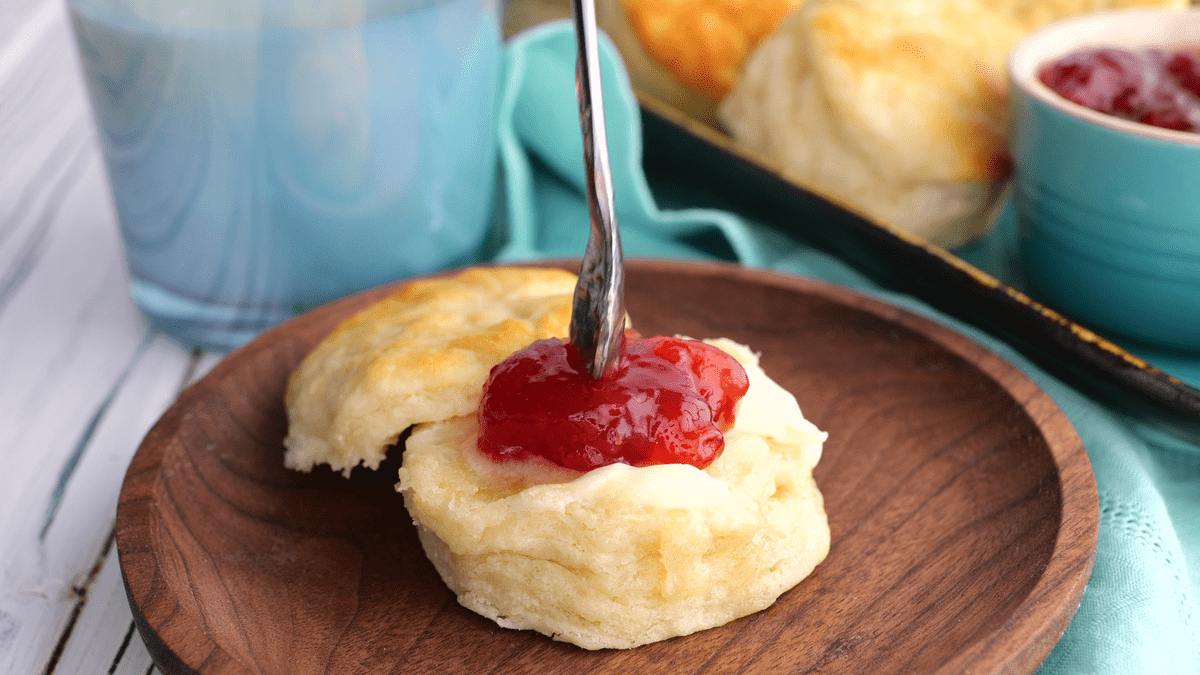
x=1158, y=87
x=667, y=401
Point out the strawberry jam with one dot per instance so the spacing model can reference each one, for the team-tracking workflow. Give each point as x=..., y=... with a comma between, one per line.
x=667, y=402
x=1156, y=86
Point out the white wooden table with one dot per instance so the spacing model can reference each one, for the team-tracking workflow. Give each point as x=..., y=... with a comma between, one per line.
x=81, y=376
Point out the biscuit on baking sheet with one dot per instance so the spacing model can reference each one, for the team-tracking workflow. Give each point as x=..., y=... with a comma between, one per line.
x=704, y=43
x=622, y=556
x=896, y=109
x=420, y=355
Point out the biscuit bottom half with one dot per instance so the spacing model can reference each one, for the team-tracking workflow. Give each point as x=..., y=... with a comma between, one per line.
x=623, y=556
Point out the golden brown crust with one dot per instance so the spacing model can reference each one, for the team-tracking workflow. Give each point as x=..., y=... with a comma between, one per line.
x=704, y=42
x=420, y=355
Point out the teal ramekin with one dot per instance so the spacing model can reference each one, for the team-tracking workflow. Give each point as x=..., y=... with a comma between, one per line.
x=1108, y=210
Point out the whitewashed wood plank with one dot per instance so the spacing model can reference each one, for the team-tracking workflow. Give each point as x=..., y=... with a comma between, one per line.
x=52, y=567
x=133, y=665
x=69, y=332
x=104, y=640
x=13, y=17
x=47, y=140
x=40, y=97
x=88, y=503
x=135, y=661
x=22, y=25
x=206, y=361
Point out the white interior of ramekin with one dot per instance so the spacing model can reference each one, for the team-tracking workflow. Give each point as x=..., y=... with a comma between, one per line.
x=1133, y=30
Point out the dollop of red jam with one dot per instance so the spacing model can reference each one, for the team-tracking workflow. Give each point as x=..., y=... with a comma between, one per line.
x=1158, y=87
x=668, y=401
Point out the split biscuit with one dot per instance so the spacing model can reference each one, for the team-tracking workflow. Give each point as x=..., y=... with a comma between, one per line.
x=622, y=556
x=420, y=355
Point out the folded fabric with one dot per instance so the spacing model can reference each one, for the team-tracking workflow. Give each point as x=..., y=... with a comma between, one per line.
x=1139, y=613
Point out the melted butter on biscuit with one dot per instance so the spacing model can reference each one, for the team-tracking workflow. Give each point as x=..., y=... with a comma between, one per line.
x=767, y=409
x=665, y=486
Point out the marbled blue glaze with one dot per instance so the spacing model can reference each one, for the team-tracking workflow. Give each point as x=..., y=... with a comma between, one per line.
x=1108, y=217
x=261, y=168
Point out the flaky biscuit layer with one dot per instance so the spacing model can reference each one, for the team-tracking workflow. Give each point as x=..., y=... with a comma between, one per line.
x=420, y=355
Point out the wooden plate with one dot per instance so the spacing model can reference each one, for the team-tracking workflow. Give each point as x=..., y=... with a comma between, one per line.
x=962, y=506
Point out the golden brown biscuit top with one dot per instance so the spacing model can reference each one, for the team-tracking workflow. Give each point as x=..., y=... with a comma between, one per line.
x=704, y=42
x=931, y=70
x=420, y=355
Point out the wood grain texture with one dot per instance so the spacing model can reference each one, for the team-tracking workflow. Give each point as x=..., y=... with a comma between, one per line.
x=961, y=502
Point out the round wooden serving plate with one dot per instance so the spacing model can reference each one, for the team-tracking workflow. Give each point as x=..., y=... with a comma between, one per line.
x=962, y=506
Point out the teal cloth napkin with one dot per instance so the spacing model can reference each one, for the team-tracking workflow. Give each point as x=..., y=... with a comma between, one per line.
x=1139, y=613
x=997, y=254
